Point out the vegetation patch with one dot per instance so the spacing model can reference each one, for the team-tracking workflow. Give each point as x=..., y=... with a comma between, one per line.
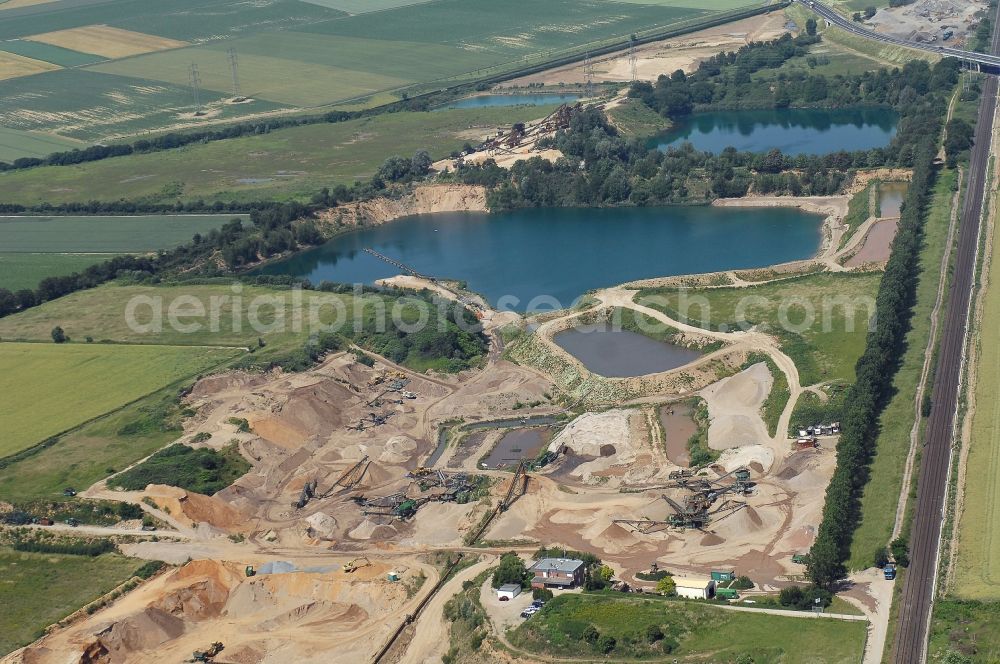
x=812, y=409
x=23, y=270
x=821, y=320
x=201, y=470
x=964, y=632
x=597, y=624
x=881, y=495
x=42, y=588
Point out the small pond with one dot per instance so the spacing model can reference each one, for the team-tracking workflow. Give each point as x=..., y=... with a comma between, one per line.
x=890, y=198
x=619, y=353
x=678, y=427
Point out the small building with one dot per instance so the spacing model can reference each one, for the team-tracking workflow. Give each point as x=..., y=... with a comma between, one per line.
x=508, y=590
x=694, y=587
x=557, y=573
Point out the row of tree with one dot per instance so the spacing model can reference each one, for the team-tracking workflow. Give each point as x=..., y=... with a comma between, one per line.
x=875, y=369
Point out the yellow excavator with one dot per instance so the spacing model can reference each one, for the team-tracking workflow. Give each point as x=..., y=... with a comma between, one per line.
x=357, y=563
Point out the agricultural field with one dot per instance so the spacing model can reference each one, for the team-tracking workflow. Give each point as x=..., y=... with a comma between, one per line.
x=25, y=270
x=16, y=143
x=291, y=163
x=48, y=388
x=100, y=234
x=977, y=564
x=292, y=55
x=14, y=66
x=881, y=494
x=42, y=588
x=692, y=628
x=827, y=316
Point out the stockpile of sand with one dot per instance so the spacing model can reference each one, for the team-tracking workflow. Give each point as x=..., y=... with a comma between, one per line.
x=195, y=508
x=398, y=450
x=756, y=457
x=605, y=438
x=322, y=526
x=208, y=600
x=734, y=405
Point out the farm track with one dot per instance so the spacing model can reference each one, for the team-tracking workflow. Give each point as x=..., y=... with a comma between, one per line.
x=910, y=642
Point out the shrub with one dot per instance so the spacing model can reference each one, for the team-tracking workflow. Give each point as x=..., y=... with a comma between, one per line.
x=606, y=643
x=202, y=471
x=543, y=594
x=653, y=633
x=591, y=635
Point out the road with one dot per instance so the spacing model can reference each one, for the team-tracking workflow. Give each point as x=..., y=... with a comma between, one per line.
x=910, y=643
x=990, y=60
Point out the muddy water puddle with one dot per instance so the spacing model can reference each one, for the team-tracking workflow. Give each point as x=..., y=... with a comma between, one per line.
x=678, y=426
x=516, y=445
x=890, y=198
x=620, y=353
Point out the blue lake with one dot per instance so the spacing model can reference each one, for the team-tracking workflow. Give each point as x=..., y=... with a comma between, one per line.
x=793, y=131
x=537, y=259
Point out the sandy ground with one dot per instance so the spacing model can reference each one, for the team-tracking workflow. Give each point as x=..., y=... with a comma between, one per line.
x=665, y=57
x=423, y=200
x=734, y=408
x=13, y=66
x=877, y=244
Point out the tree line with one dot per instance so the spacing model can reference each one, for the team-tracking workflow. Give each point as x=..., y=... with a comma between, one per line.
x=867, y=397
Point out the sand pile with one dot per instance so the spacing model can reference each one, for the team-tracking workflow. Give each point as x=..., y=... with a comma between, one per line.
x=757, y=457
x=195, y=508
x=370, y=529
x=398, y=450
x=314, y=410
x=322, y=526
x=605, y=438
x=734, y=405
x=235, y=380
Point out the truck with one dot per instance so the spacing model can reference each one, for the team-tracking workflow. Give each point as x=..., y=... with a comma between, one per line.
x=889, y=571
x=727, y=593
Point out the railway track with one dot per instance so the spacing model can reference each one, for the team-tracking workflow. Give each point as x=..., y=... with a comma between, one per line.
x=910, y=643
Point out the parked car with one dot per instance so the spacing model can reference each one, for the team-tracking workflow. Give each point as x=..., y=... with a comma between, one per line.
x=538, y=604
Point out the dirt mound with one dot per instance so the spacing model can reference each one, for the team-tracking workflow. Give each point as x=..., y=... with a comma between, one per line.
x=711, y=539
x=212, y=385
x=314, y=410
x=369, y=529
x=734, y=408
x=196, y=508
x=398, y=450
x=145, y=631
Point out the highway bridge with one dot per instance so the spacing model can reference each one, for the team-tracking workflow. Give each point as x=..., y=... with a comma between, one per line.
x=982, y=61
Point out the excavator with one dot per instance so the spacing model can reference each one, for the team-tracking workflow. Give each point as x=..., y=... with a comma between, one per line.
x=208, y=654
x=357, y=563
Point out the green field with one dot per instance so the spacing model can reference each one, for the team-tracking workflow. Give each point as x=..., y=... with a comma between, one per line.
x=95, y=450
x=48, y=388
x=697, y=630
x=295, y=55
x=91, y=106
x=19, y=271
x=977, y=569
x=825, y=344
x=49, y=53
x=289, y=163
x=971, y=629
x=39, y=589
x=16, y=143
x=111, y=234
x=881, y=494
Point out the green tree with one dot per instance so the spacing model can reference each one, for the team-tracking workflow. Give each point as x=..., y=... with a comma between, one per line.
x=58, y=335
x=666, y=586
x=606, y=643
x=811, y=27
x=606, y=573
x=543, y=594
x=653, y=633
x=511, y=570
x=900, y=551
x=591, y=635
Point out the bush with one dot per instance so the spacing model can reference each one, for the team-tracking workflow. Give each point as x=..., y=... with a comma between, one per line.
x=606, y=644
x=742, y=583
x=202, y=471
x=900, y=551
x=653, y=633
x=149, y=569
x=591, y=635
x=58, y=336
x=543, y=594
